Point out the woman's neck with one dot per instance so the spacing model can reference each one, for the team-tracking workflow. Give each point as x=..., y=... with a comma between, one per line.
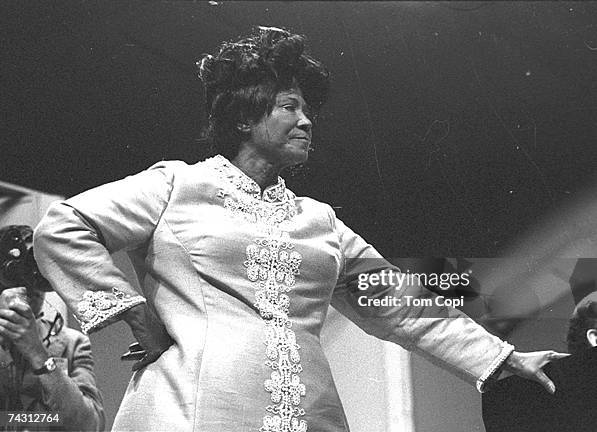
x=262, y=171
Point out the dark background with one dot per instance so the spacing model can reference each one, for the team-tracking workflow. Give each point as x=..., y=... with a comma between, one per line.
x=451, y=129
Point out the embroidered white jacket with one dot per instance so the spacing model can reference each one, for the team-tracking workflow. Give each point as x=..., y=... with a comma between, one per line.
x=242, y=281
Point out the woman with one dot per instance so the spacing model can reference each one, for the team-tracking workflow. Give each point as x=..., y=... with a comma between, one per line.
x=237, y=272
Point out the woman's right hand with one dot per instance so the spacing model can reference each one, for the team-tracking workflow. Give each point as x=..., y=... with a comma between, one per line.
x=529, y=365
x=149, y=332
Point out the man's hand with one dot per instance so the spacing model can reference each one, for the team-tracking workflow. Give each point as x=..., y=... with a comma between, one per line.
x=19, y=326
x=528, y=365
x=149, y=332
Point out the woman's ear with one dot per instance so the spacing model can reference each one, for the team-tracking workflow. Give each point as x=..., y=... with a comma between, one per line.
x=243, y=127
x=592, y=337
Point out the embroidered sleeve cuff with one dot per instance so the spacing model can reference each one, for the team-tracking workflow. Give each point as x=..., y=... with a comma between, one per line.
x=494, y=366
x=97, y=309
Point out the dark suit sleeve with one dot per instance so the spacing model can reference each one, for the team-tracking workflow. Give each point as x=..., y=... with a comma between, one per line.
x=75, y=395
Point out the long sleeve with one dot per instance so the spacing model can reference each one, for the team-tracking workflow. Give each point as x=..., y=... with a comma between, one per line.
x=441, y=334
x=73, y=242
x=74, y=393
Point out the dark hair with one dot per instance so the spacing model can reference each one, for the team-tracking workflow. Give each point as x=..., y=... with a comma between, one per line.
x=584, y=318
x=242, y=80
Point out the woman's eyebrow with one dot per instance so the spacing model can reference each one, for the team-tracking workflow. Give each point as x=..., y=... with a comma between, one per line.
x=285, y=98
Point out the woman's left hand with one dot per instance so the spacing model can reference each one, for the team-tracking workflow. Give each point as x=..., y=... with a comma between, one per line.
x=152, y=337
x=528, y=365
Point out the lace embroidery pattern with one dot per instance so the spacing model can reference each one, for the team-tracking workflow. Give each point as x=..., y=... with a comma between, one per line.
x=97, y=307
x=267, y=218
x=272, y=265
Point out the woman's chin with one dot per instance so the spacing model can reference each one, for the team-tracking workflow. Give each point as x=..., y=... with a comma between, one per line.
x=298, y=156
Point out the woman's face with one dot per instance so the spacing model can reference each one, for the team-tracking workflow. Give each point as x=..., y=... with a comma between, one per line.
x=283, y=137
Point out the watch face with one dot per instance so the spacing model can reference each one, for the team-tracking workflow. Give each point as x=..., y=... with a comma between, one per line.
x=50, y=364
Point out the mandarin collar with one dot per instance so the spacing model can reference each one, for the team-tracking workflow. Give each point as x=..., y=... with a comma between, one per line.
x=273, y=194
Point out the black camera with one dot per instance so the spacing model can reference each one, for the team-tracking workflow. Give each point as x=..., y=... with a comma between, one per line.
x=17, y=263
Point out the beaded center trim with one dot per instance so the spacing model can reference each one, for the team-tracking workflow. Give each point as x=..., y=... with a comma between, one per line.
x=271, y=265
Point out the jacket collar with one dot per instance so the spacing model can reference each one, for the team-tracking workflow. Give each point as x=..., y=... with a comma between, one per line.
x=274, y=194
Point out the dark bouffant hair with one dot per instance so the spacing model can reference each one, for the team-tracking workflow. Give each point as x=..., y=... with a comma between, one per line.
x=584, y=318
x=242, y=80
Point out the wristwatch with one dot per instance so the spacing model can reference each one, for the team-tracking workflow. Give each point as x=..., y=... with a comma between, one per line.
x=49, y=366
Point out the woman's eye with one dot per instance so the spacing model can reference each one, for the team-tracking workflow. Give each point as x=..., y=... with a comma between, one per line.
x=289, y=107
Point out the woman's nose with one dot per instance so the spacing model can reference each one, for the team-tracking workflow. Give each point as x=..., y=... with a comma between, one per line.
x=304, y=123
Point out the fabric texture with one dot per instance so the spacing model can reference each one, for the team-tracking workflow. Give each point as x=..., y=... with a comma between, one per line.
x=70, y=390
x=242, y=281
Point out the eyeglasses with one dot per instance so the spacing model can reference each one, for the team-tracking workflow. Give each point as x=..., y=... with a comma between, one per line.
x=56, y=326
